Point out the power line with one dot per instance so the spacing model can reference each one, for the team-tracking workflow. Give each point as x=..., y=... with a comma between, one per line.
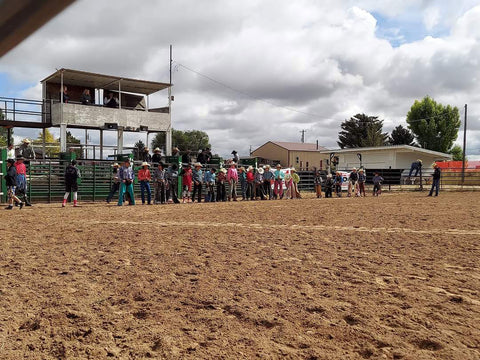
x=275, y=104
x=246, y=94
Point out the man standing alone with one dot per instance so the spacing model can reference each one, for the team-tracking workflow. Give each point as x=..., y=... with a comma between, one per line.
x=437, y=173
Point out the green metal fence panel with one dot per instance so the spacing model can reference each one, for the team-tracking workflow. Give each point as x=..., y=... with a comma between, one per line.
x=3, y=170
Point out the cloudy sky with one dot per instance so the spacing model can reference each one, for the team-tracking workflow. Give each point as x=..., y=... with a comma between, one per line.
x=285, y=66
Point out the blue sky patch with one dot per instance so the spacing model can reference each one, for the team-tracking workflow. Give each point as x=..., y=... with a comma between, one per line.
x=404, y=29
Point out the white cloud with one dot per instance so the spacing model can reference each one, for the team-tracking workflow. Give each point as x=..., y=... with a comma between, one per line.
x=431, y=17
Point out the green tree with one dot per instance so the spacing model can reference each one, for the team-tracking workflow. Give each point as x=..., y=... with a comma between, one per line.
x=52, y=145
x=362, y=131
x=401, y=136
x=457, y=153
x=138, y=150
x=71, y=140
x=192, y=140
x=3, y=132
x=434, y=125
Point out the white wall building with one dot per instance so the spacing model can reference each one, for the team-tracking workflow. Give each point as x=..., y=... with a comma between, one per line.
x=384, y=157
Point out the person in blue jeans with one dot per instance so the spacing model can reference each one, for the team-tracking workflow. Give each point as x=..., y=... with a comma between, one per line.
x=126, y=177
x=115, y=182
x=417, y=166
x=437, y=173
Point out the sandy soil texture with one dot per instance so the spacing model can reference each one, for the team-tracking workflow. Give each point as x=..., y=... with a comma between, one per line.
x=394, y=277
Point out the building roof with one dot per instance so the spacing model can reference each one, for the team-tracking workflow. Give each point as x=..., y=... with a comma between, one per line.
x=401, y=148
x=294, y=146
x=106, y=82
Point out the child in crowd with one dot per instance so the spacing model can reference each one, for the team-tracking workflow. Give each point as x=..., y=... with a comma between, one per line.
x=278, y=176
x=362, y=178
x=172, y=184
x=259, y=184
x=72, y=174
x=317, y=181
x=329, y=186
x=187, y=183
x=21, y=189
x=221, y=179
x=210, y=185
x=296, y=180
x=115, y=182
x=242, y=178
x=268, y=179
x=352, y=183
x=250, y=183
x=377, y=184
x=232, y=178
x=338, y=181
x=289, y=185
x=197, y=178
x=126, y=176
x=159, y=183
x=144, y=177
x=10, y=182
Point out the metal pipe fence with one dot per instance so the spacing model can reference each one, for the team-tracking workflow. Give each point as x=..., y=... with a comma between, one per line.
x=46, y=179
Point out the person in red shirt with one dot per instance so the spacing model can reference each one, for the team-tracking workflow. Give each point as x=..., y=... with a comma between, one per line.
x=187, y=182
x=250, y=183
x=21, y=189
x=144, y=177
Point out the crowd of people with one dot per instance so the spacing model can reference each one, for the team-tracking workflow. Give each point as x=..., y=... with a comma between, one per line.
x=159, y=185
x=218, y=184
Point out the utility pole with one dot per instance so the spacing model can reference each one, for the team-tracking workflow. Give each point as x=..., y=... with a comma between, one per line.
x=464, y=145
x=303, y=135
x=168, y=133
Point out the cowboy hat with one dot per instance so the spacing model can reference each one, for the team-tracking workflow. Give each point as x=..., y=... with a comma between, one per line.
x=267, y=166
x=156, y=149
x=361, y=170
x=223, y=170
x=293, y=169
x=20, y=157
x=354, y=169
x=233, y=163
x=278, y=166
x=250, y=168
x=234, y=152
x=260, y=170
x=145, y=164
x=329, y=175
x=197, y=164
x=115, y=164
x=26, y=141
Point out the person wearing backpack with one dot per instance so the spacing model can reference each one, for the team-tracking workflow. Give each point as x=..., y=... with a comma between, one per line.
x=72, y=174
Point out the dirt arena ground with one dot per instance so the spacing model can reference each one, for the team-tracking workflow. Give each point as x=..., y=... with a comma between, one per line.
x=394, y=277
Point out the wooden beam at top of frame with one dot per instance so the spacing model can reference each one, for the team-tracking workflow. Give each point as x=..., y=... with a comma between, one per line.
x=24, y=124
x=21, y=18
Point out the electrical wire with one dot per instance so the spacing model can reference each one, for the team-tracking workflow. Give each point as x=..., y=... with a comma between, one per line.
x=246, y=94
x=177, y=65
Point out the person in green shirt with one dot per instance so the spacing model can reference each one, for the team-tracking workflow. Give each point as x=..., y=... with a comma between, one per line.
x=296, y=180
